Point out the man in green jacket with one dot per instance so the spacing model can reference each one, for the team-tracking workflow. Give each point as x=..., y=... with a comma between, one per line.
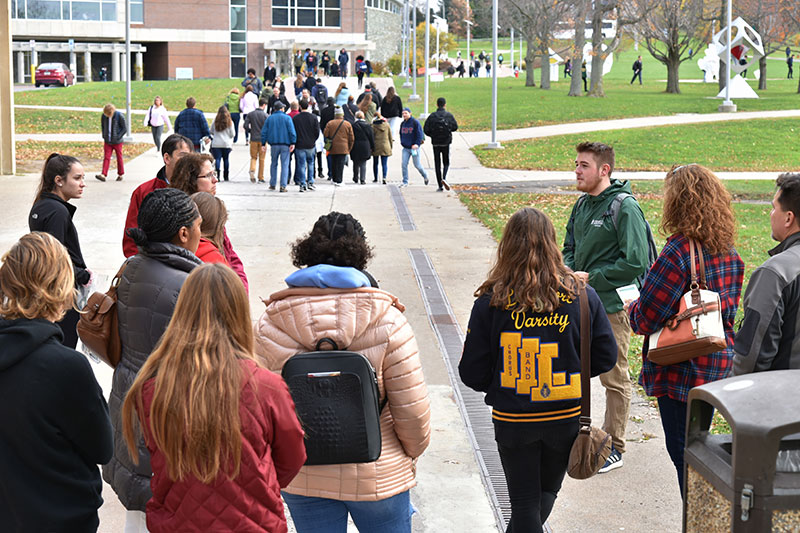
x=608, y=249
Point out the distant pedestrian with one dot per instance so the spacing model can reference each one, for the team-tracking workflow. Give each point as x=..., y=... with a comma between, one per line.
x=344, y=59
x=637, y=70
x=270, y=74
x=306, y=126
x=247, y=104
x=568, y=68
x=325, y=62
x=55, y=425
x=279, y=132
x=340, y=133
x=252, y=80
x=488, y=68
x=460, y=69
x=363, y=145
x=334, y=69
x=192, y=123
x=382, y=133
x=743, y=62
x=62, y=180
x=411, y=138
x=476, y=70
x=790, y=64
x=222, y=141
x=274, y=99
x=156, y=118
x=361, y=70
x=368, y=107
x=500, y=59
x=221, y=430
x=439, y=126
x=298, y=62
x=114, y=129
x=232, y=103
x=342, y=94
x=103, y=73
x=583, y=75
x=255, y=121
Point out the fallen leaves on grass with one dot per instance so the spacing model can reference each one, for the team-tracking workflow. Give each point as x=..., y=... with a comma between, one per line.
x=31, y=154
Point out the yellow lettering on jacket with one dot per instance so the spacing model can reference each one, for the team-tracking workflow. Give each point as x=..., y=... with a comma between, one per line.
x=528, y=367
x=521, y=320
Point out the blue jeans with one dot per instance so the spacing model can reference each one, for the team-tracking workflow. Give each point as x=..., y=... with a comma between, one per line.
x=235, y=117
x=221, y=154
x=673, y=420
x=384, y=159
x=304, y=166
x=279, y=151
x=323, y=515
x=406, y=156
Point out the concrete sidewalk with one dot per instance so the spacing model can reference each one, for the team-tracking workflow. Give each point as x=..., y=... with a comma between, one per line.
x=450, y=496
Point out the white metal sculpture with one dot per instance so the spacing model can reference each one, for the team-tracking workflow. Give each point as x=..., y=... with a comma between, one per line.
x=746, y=49
x=587, y=56
x=709, y=64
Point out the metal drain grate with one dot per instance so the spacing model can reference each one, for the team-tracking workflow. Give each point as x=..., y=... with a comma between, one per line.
x=401, y=209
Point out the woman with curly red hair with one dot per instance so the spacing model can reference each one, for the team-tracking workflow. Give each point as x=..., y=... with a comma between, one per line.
x=696, y=206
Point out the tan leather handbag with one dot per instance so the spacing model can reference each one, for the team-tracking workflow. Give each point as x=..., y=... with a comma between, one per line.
x=697, y=328
x=592, y=446
x=98, y=327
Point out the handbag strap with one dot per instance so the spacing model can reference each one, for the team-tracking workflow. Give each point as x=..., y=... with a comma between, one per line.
x=586, y=361
x=337, y=130
x=112, y=291
x=698, y=279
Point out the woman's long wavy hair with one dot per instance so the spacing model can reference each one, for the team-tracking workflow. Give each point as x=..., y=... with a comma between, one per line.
x=194, y=414
x=223, y=119
x=529, y=271
x=698, y=206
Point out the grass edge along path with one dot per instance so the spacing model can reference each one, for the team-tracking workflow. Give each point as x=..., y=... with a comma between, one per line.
x=757, y=145
x=753, y=241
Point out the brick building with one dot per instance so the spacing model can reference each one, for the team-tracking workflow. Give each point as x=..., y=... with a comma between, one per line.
x=213, y=38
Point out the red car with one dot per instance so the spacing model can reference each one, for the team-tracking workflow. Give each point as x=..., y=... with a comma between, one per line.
x=54, y=74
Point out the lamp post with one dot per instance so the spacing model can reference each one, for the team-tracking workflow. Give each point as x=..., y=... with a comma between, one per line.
x=469, y=25
x=407, y=83
x=128, y=137
x=494, y=144
x=438, y=21
x=427, y=55
x=414, y=97
x=512, y=48
x=727, y=106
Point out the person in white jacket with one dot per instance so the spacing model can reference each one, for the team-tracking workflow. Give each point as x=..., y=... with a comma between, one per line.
x=222, y=139
x=156, y=118
x=248, y=103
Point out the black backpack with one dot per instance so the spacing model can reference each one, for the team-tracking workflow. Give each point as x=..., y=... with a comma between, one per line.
x=337, y=400
x=439, y=127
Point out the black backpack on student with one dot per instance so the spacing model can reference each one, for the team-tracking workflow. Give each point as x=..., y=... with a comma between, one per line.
x=337, y=400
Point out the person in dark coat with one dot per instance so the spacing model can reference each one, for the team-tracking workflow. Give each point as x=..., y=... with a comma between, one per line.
x=114, y=129
x=363, y=145
x=440, y=127
x=269, y=74
x=392, y=110
x=325, y=116
x=62, y=180
x=54, y=424
x=344, y=59
x=167, y=236
x=192, y=123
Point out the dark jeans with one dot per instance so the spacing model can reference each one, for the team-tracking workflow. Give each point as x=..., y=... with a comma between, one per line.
x=157, y=130
x=246, y=130
x=673, y=420
x=221, y=154
x=441, y=156
x=319, y=165
x=235, y=117
x=68, y=326
x=337, y=167
x=637, y=74
x=360, y=170
x=534, y=465
x=384, y=159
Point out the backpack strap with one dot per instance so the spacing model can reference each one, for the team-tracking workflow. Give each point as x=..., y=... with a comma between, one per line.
x=616, y=206
x=578, y=204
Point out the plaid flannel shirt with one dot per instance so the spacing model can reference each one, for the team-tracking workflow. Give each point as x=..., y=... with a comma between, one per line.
x=666, y=283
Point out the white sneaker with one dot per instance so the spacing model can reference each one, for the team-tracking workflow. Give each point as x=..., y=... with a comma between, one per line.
x=402, y=185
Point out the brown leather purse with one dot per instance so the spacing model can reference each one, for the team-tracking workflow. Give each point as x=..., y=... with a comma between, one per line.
x=98, y=327
x=592, y=446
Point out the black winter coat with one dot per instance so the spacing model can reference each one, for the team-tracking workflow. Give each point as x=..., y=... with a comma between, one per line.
x=118, y=128
x=393, y=108
x=440, y=127
x=54, y=431
x=53, y=215
x=364, y=141
x=147, y=295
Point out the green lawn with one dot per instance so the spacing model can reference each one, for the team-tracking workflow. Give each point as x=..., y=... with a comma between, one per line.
x=750, y=190
x=767, y=146
x=209, y=94
x=753, y=239
x=58, y=121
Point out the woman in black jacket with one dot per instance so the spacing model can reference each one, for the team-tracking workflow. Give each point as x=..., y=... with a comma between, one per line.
x=523, y=350
x=62, y=180
x=363, y=146
x=54, y=425
x=392, y=110
x=167, y=238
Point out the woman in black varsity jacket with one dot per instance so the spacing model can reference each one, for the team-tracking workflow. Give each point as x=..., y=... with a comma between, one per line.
x=523, y=350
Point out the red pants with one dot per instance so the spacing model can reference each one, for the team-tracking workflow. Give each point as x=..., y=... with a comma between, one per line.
x=107, y=149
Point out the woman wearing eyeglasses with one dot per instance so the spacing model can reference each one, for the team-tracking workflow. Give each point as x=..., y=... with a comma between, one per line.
x=696, y=206
x=195, y=173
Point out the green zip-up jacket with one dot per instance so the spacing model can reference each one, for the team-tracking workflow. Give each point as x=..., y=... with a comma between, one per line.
x=613, y=258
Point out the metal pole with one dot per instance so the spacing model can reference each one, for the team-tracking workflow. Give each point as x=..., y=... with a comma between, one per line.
x=494, y=144
x=512, y=48
x=128, y=137
x=406, y=83
x=469, y=58
x=427, y=55
x=414, y=96
x=728, y=106
x=520, y=53
x=437, y=44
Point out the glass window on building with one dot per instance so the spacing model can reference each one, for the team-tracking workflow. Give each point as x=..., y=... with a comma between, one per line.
x=238, y=45
x=306, y=13
x=79, y=10
x=43, y=9
x=85, y=11
x=137, y=11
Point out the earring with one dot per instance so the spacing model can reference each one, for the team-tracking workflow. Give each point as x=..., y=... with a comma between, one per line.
x=60, y=184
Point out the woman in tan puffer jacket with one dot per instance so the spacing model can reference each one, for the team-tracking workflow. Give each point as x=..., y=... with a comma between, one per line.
x=334, y=297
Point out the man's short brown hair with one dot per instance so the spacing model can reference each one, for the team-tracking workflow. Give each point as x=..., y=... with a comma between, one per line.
x=191, y=102
x=603, y=154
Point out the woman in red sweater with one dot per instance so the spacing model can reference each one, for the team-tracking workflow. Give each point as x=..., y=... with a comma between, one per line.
x=213, y=471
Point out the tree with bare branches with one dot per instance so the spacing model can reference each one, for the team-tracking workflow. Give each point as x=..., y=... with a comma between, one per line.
x=669, y=30
x=765, y=17
x=538, y=20
x=581, y=11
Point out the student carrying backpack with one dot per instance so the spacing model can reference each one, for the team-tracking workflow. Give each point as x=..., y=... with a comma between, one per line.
x=439, y=126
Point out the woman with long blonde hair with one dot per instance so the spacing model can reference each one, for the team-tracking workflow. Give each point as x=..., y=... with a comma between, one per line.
x=523, y=350
x=222, y=431
x=54, y=424
x=696, y=206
